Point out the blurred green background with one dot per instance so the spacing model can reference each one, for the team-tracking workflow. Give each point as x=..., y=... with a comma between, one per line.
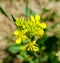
x=49, y=10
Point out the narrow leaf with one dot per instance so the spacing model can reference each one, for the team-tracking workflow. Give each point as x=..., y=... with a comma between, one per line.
x=3, y=12
x=13, y=18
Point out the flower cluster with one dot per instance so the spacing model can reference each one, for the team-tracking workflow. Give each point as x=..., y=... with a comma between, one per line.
x=26, y=29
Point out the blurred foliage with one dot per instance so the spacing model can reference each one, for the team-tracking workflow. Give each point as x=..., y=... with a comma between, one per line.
x=27, y=11
x=44, y=10
x=3, y=12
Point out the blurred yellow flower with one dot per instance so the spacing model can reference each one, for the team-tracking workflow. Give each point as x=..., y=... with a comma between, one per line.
x=17, y=22
x=43, y=25
x=32, y=18
x=27, y=29
x=20, y=35
x=37, y=17
x=23, y=37
x=32, y=46
x=23, y=26
x=41, y=32
x=16, y=32
x=18, y=40
x=35, y=48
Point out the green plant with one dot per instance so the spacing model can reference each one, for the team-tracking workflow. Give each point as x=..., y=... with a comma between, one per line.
x=32, y=45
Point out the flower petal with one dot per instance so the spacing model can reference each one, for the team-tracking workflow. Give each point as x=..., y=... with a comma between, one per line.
x=43, y=25
x=16, y=32
x=32, y=18
x=18, y=40
x=37, y=17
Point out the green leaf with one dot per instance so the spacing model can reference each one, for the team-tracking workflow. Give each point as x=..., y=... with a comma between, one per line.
x=31, y=61
x=44, y=58
x=36, y=60
x=44, y=10
x=14, y=48
x=13, y=18
x=50, y=17
x=20, y=57
x=41, y=40
x=3, y=12
x=51, y=43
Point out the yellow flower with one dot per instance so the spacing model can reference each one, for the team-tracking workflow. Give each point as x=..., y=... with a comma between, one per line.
x=23, y=26
x=32, y=18
x=22, y=19
x=23, y=37
x=37, y=17
x=18, y=40
x=17, y=22
x=32, y=46
x=24, y=31
x=16, y=32
x=27, y=29
x=41, y=32
x=34, y=42
x=35, y=48
x=37, y=23
x=43, y=25
x=20, y=35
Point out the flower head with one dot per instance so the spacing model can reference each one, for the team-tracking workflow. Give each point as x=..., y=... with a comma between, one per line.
x=20, y=35
x=33, y=27
x=32, y=46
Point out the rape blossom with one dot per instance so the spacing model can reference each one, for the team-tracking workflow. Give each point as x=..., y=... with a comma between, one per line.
x=26, y=29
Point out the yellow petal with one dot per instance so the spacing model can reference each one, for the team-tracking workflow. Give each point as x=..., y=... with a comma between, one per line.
x=16, y=32
x=32, y=18
x=22, y=19
x=18, y=40
x=23, y=26
x=29, y=48
x=41, y=32
x=37, y=17
x=43, y=25
x=35, y=48
x=23, y=37
x=24, y=31
x=17, y=22
x=34, y=42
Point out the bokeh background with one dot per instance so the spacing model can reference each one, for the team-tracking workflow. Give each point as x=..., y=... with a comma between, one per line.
x=50, y=14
